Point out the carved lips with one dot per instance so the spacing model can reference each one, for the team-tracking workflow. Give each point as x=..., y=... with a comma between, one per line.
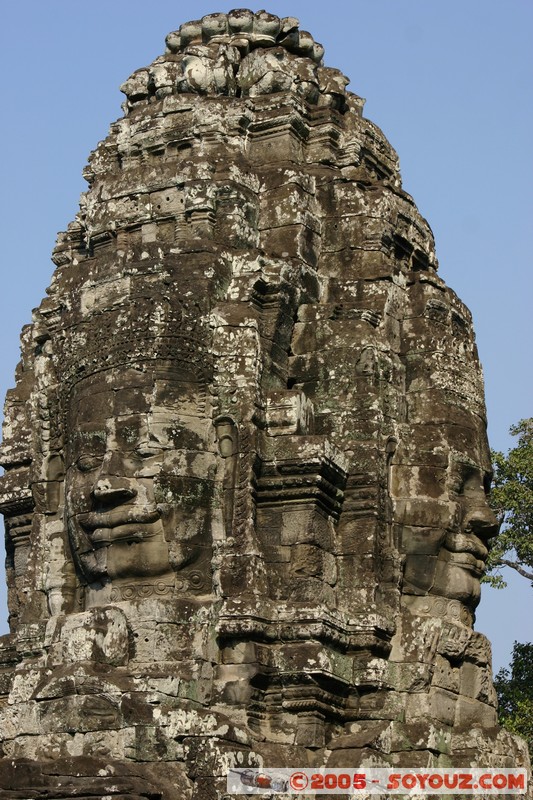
x=120, y=524
x=466, y=551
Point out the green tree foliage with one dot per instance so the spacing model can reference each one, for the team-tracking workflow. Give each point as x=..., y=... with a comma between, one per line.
x=514, y=688
x=512, y=500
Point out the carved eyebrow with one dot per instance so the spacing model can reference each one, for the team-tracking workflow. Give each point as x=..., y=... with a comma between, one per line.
x=95, y=436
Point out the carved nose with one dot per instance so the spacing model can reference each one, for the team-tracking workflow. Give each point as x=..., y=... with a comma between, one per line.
x=112, y=490
x=482, y=522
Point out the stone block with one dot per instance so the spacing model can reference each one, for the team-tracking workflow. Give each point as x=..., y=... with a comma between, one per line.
x=471, y=712
x=99, y=635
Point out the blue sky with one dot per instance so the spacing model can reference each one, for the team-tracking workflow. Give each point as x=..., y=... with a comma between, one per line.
x=448, y=81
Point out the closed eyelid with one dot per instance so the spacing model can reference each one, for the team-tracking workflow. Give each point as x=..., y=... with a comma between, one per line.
x=145, y=451
x=468, y=479
x=151, y=448
x=88, y=462
x=475, y=483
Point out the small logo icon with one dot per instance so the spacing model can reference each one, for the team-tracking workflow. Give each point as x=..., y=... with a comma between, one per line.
x=299, y=781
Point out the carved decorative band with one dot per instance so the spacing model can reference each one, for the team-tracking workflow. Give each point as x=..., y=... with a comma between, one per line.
x=142, y=590
x=452, y=610
x=194, y=581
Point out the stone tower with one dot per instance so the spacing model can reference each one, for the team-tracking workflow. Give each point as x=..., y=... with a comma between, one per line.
x=245, y=457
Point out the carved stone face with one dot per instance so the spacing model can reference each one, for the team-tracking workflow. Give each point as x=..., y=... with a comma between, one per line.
x=139, y=480
x=444, y=533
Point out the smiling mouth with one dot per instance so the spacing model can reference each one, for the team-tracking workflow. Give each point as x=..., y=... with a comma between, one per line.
x=467, y=552
x=106, y=527
x=468, y=562
x=466, y=545
x=101, y=537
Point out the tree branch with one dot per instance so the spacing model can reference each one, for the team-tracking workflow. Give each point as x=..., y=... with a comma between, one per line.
x=514, y=565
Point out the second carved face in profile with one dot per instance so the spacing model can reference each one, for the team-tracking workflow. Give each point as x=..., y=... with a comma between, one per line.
x=444, y=536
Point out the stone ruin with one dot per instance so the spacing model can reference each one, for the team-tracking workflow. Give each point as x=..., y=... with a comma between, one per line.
x=245, y=459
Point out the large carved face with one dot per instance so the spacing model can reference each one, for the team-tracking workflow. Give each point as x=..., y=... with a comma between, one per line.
x=444, y=525
x=139, y=480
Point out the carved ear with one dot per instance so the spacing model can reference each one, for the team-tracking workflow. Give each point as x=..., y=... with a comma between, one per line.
x=227, y=436
x=54, y=467
x=47, y=493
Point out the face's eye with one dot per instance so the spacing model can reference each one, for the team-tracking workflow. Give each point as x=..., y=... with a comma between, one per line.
x=147, y=449
x=88, y=463
x=473, y=483
x=465, y=476
x=457, y=484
